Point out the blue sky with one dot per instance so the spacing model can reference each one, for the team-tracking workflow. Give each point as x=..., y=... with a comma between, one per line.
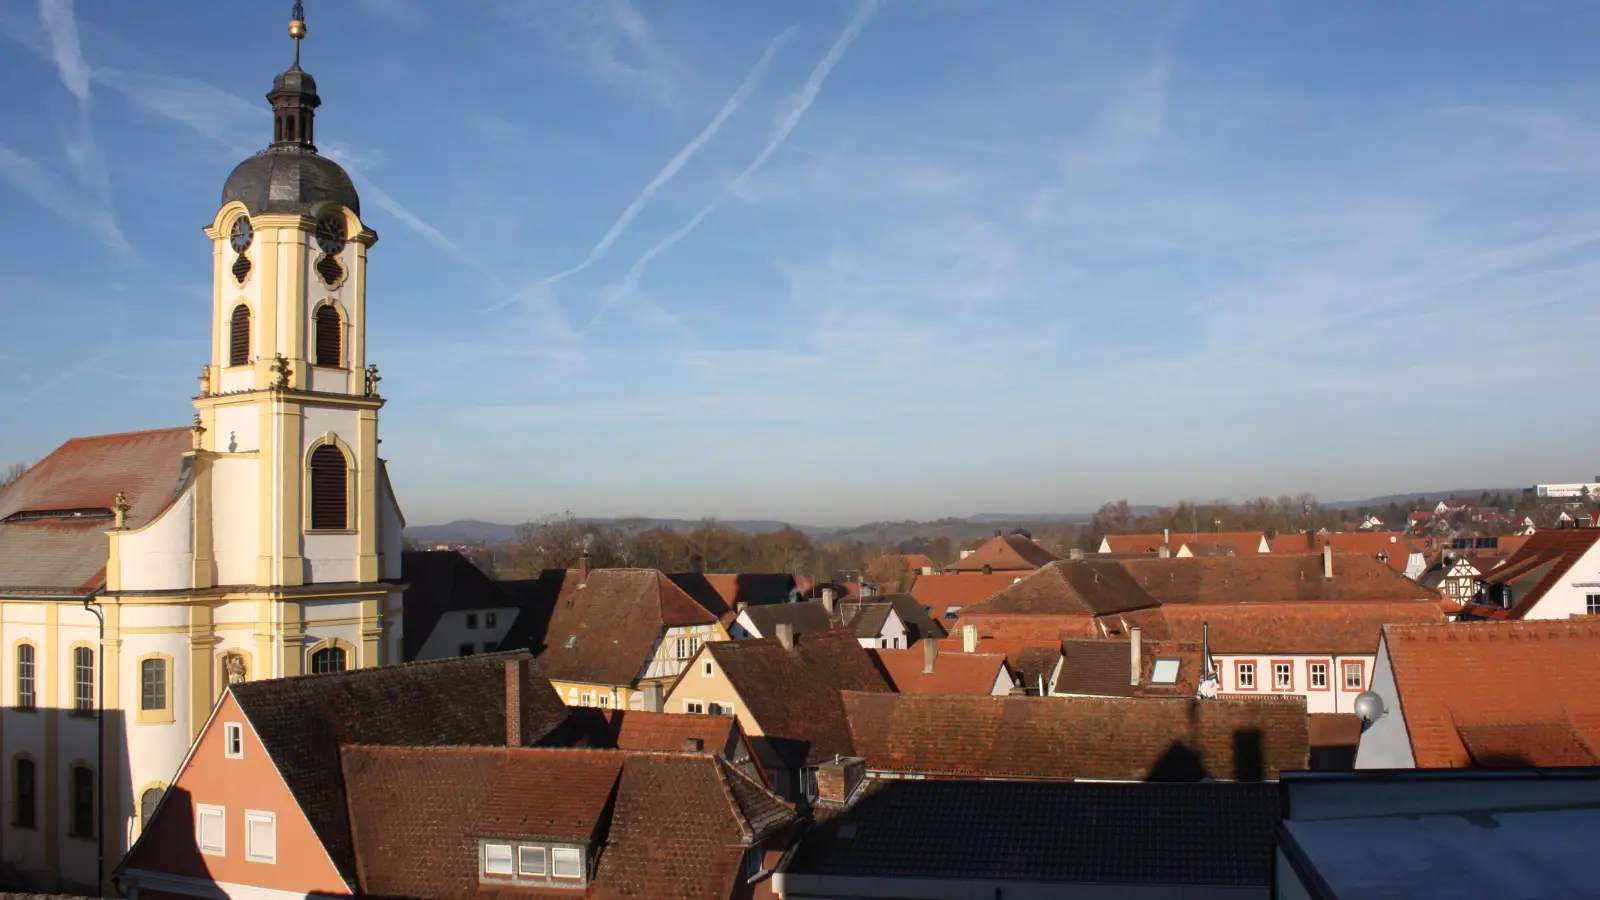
x=833, y=261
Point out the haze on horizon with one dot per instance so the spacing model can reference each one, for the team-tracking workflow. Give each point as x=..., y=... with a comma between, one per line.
x=847, y=260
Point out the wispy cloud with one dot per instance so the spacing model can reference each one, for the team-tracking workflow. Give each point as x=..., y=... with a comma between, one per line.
x=66, y=200
x=799, y=104
x=676, y=164
x=609, y=40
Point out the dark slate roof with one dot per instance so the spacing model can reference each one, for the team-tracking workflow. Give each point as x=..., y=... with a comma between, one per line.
x=612, y=622
x=1036, y=664
x=794, y=694
x=67, y=554
x=1098, y=668
x=302, y=721
x=665, y=824
x=290, y=179
x=440, y=581
x=868, y=618
x=1128, y=834
x=918, y=623
x=722, y=593
x=807, y=617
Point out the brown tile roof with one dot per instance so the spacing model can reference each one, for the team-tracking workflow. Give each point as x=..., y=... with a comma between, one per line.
x=1294, y=627
x=1070, y=588
x=612, y=624
x=641, y=730
x=807, y=617
x=301, y=722
x=665, y=825
x=794, y=694
x=1035, y=666
x=1272, y=577
x=918, y=621
x=1394, y=546
x=953, y=673
x=68, y=555
x=1335, y=729
x=866, y=620
x=1199, y=543
x=721, y=594
x=1005, y=553
x=1518, y=746
x=1078, y=737
x=1542, y=675
x=1103, y=668
x=440, y=581
x=1541, y=564
x=944, y=591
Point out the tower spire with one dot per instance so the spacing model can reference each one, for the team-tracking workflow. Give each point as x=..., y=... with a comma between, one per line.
x=297, y=28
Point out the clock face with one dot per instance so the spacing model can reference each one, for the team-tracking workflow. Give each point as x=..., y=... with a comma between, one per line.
x=330, y=234
x=241, y=235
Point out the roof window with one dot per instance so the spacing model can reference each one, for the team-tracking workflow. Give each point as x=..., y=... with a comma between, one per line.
x=1165, y=672
x=532, y=863
x=58, y=515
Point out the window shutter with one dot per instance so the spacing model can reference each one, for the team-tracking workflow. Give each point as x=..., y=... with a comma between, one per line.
x=239, y=337
x=261, y=837
x=212, y=830
x=329, y=339
x=328, y=501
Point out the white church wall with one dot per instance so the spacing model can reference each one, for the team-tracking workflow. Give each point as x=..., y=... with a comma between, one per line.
x=235, y=496
x=238, y=378
x=331, y=381
x=321, y=420
x=331, y=558
x=160, y=556
x=238, y=429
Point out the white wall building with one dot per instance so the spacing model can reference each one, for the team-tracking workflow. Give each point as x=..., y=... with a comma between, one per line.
x=1574, y=490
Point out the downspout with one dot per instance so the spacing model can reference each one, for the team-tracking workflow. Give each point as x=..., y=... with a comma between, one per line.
x=99, y=744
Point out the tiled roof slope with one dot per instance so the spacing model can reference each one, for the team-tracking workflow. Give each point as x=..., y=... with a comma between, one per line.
x=1079, y=737
x=794, y=694
x=1392, y=544
x=919, y=624
x=1069, y=588
x=944, y=591
x=1105, y=834
x=1005, y=553
x=636, y=729
x=1096, y=668
x=301, y=722
x=613, y=622
x=1295, y=627
x=678, y=823
x=953, y=673
x=1243, y=541
x=63, y=556
x=1541, y=564
x=1543, y=675
x=440, y=581
x=1271, y=577
x=868, y=619
x=807, y=616
x=721, y=594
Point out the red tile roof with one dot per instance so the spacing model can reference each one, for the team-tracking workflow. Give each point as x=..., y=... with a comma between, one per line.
x=1078, y=737
x=1541, y=564
x=1005, y=553
x=1271, y=578
x=1532, y=681
x=612, y=624
x=1243, y=541
x=953, y=673
x=68, y=555
x=1393, y=546
x=1295, y=627
x=1083, y=588
x=944, y=591
x=642, y=730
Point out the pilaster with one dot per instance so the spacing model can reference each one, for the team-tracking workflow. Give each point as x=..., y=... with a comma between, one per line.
x=294, y=639
x=203, y=573
x=367, y=515
x=114, y=744
x=288, y=461
x=203, y=641
x=371, y=633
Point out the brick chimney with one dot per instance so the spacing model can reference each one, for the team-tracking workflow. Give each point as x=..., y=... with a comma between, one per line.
x=785, y=635
x=516, y=676
x=1327, y=561
x=583, y=569
x=1135, y=652
x=930, y=652
x=969, y=639
x=838, y=779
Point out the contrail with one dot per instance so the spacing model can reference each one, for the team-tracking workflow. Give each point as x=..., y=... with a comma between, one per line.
x=803, y=100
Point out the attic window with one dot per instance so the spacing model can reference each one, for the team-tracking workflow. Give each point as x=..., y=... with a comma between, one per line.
x=1165, y=672
x=571, y=639
x=57, y=515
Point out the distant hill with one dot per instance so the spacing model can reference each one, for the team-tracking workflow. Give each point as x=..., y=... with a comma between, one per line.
x=463, y=531
x=1428, y=497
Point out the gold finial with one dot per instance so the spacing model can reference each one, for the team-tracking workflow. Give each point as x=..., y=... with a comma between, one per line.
x=119, y=508
x=297, y=28
x=205, y=381
x=197, y=430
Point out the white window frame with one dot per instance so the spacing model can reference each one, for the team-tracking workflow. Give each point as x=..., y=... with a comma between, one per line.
x=544, y=862
x=705, y=669
x=1591, y=604
x=1311, y=676
x=1243, y=671
x=511, y=860
x=1164, y=671
x=489, y=620
x=201, y=811
x=556, y=852
x=233, y=740
x=1344, y=674
x=687, y=704
x=1286, y=670
x=251, y=851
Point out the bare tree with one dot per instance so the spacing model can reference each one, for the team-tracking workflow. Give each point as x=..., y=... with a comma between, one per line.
x=12, y=472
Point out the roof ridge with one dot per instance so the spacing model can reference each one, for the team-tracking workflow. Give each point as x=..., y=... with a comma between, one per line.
x=371, y=670
x=122, y=434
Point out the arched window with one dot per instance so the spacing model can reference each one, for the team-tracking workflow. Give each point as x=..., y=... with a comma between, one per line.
x=83, y=679
x=289, y=129
x=328, y=660
x=147, y=805
x=239, y=337
x=330, y=337
x=82, y=801
x=26, y=697
x=153, y=685
x=329, y=505
x=25, y=790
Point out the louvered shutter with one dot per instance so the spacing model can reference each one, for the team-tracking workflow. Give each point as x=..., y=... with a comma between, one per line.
x=328, y=502
x=329, y=343
x=239, y=337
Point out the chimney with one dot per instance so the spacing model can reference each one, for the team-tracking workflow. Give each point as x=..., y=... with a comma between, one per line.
x=1166, y=536
x=1327, y=561
x=693, y=745
x=652, y=696
x=930, y=652
x=997, y=532
x=838, y=779
x=516, y=675
x=1135, y=652
x=1075, y=553
x=786, y=635
x=969, y=639
x=1164, y=552
x=583, y=570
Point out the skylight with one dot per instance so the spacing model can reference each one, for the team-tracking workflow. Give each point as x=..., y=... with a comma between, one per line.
x=1165, y=672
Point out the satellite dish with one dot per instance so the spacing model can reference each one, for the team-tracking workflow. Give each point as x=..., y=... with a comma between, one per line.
x=1369, y=706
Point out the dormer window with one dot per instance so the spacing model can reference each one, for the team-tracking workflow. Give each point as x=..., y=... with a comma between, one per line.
x=532, y=863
